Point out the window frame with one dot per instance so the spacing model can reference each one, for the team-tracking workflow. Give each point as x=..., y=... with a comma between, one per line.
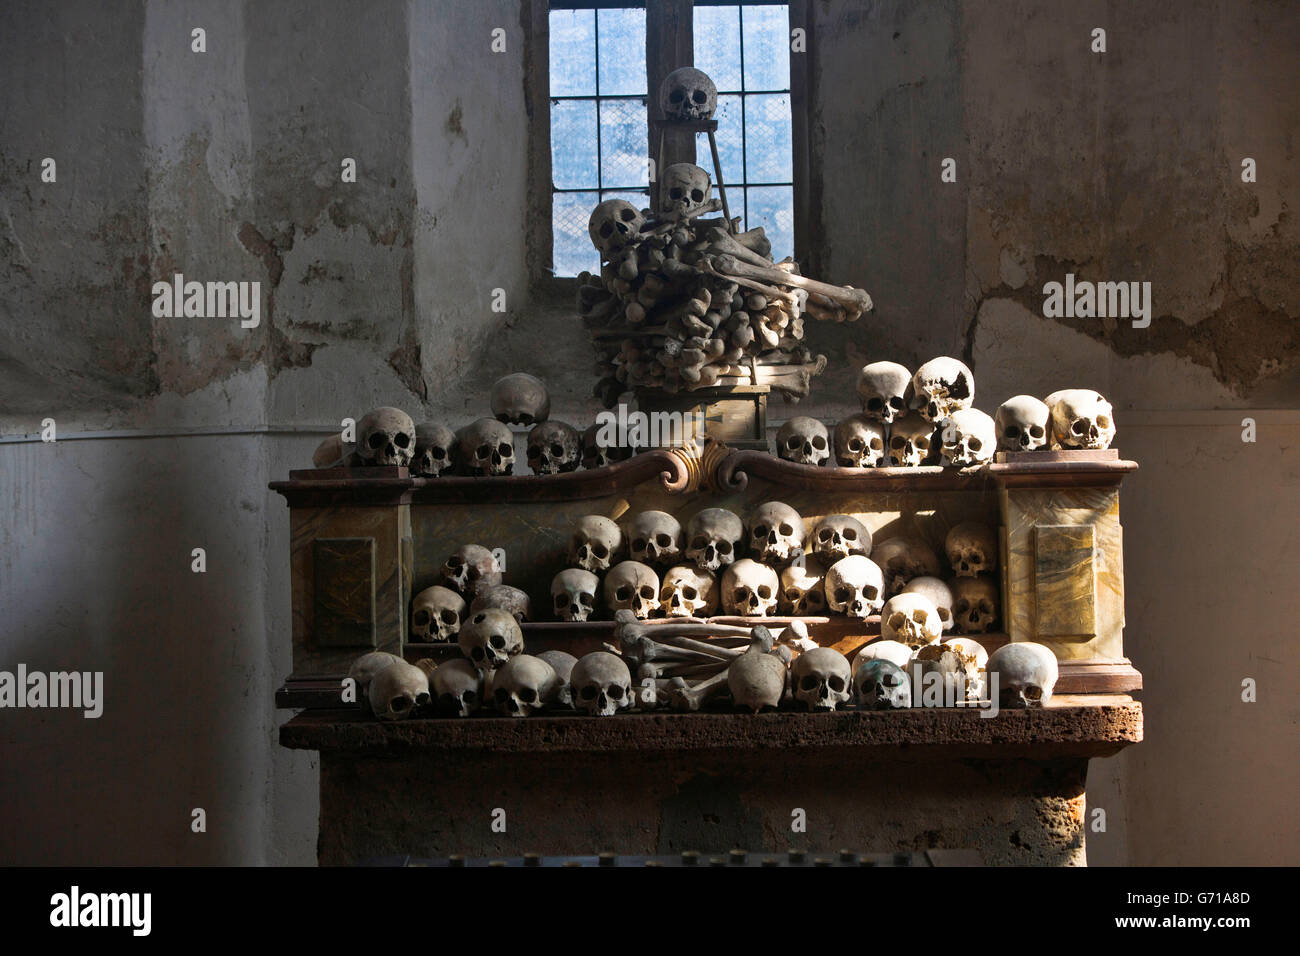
x=667, y=47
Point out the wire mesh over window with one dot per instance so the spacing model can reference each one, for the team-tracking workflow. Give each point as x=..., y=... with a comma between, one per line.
x=745, y=49
x=598, y=123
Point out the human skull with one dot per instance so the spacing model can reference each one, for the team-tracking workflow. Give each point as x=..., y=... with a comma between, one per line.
x=1022, y=423
x=941, y=668
x=969, y=438
x=838, y=536
x=776, y=533
x=804, y=441
x=435, y=450
x=895, y=652
x=601, y=684
x=802, y=588
x=940, y=596
x=457, y=687
x=1026, y=674
x=881, y=684
x=597, y=455
x=573, y=594
x=688, y=592
x=683, y=190
x=398, y=691
x=596, y=541
x=974, y=660
x=486, y=448
x=972, y=549
x=859, y=442
x=903, y=559
x=506, y=598
x=749, y=589
x=520, y=399
x=713, y=538
x=364, y=669
x=855, y=586
x=654, y=537
x=614, y=225
x=553, y=448
x=885, y=389
x=632, y=586
x=385, y=436
x=911, y=442
x=470, y=568
x=490, y=637
x=524, y=684
x=562, y=663
x=687, y=94
x=910, y=619
x=436, y=613
x=975, y=604
x=822, y=679
x=330, y=453
x=1081, y=418
x=940, y=387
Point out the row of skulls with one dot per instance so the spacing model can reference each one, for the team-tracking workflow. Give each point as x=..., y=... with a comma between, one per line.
x=924, y=418
x=484, y=447
x=835, y=568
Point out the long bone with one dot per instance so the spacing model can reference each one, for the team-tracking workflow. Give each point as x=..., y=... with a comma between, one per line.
x=645, y=650
x=668, y=225
x=854, y=301
x=722, y=242
x=668, y=671
x=682, y=696
x=793, y=299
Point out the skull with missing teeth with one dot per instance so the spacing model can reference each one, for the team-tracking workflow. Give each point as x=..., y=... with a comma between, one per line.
x=1081, y=418
x=972, y=549
x=506, y=598
x=859, y=442
x=487, y=448
x=470, y=568
x=822, y=679
x=855, y=586
x=385, y=436
x=601, y=684
x=881, y=684
x=838, y=536
x=573, y=594
x=596, y=454
x=554, y=448
x=457, y=687
x=938, y=593
x=398, y=690
x=804, y=441
x=524, y=685
x=749, y=589
x=1026, y=674
x=1021, y=423
x=910, y=619
x=634, y=587
x=435, y=450
x=885, y=389
x=713, y=537
x=436, y=614
x=776, y=533
x=688, y=592
x=969, y=438
x=687, y=94
x=490, y=637
x=802, y=588
x=904, y=558
x=654, y=537
x=520, y=399
x=683, y=191
x=911, y=442
x=974, y=604
x=940, y=387
x=614, y=225
x=595, y=543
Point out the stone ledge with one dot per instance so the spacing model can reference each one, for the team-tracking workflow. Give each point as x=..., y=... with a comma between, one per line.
x=1094, y=726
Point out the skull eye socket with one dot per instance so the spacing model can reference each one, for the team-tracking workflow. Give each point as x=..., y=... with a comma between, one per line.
x=919, y=616
x=944, y=614
x=675, y=192
x=586, y=599
x=402, y=440
x=793, y=442
x=501, y=695
x=639, y=544
x=764, y=592
x=663, y=540
x=483, y=451
x=724, y=547
x=627, y=215
x=677, y=95
x=808, y=682
x=961, y=607
x=623, y=593
x=849, y=534
x=825, y=535
x=480, y=618
x=786, y=529
x=690, y=593
x=615, y=692
x=1033, y=692
x=897, y=620
x=1012, y=431
x=871, y=591
x=697, y=195
x=589, y=692
x=897, y=442
x=497, y=641
x=599, y=550
x=975, y=443
x=561, y=601
x=557, y=450
x=527, y=695
x=448, y=616
x=1103, y=421
x=534, y=451
x=836, y=684
x=438, y=453
x=699, y=96
x=792, y=594
x=875, y=404
x=740, y=595
x=1036, y=431
x=855, y=444
x=923, y=443
x=469, y=696
x=421, y=618
x=876, y=444
x=1079, y=426
x=647, y=592
x=399, y=704
x=760, y=531
x=986, y=608
x=375, y=440
x=699, y=542
x=843, y=595
x=606, y=229
x=504, y=450
x=896, y=403
x=818, y=442
x=476, y=653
